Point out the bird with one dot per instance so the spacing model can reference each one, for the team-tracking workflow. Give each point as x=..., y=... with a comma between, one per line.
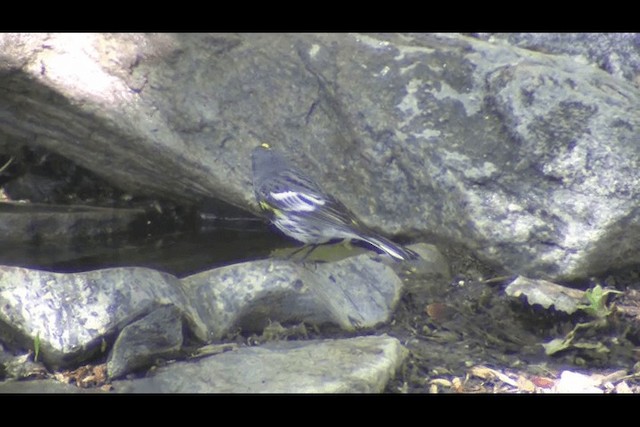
x=303, y=211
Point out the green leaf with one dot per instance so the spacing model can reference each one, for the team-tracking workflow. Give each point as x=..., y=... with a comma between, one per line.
x=556, y=345
x=598, y=347
x=597, y=299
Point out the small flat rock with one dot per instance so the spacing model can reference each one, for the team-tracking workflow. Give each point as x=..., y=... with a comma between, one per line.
x=355, y=365
x=70, y=314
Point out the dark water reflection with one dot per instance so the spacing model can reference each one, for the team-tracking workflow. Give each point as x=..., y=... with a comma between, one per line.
x=181, y=254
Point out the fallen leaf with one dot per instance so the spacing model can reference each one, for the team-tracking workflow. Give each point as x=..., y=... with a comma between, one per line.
x=610, y=378
x=439, y=311
x=546, y=294
x=543, y=382
x=623, y=388
x=481, y=372
x=441, y=382
x=525, y=385
x=457, y=385
x=488, y=373
x=556, y=345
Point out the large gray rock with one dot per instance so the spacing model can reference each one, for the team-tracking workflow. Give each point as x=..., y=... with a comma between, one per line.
x=615, y=53
x=356, y=365
x=529, y=159
x=357, y=292
x=72, y=314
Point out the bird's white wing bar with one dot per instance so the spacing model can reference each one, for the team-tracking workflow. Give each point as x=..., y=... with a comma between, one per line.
x=292, y=200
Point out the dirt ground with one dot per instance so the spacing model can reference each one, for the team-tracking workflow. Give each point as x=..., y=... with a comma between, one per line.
x=468, y=336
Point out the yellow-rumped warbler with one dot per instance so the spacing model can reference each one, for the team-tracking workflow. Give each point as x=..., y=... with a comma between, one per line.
x=297, y=206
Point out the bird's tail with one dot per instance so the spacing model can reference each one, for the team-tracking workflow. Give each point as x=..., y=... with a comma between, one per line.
x=394, y=250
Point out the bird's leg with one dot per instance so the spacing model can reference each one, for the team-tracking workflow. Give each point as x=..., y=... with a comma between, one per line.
x=301, y=248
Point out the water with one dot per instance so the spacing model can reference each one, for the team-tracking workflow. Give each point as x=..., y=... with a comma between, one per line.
x=178, y=253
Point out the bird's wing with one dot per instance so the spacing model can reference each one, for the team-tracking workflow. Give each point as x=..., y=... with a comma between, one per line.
x=313, y=204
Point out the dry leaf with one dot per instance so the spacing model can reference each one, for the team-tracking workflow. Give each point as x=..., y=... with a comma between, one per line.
x=546, y=294
x=623, y=388
x=488, y=373
x=543, y=382
x=441, y=382
x=457, y=385
x=525, y=385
